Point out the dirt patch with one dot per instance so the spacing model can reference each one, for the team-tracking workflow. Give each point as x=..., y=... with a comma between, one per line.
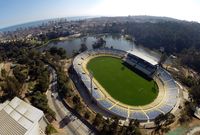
x=60, y=131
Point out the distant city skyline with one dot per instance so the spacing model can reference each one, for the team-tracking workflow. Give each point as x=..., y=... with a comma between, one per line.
x=22, y=11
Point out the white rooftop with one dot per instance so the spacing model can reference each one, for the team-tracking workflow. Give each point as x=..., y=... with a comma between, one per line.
x=18, y=117
x=143, y=55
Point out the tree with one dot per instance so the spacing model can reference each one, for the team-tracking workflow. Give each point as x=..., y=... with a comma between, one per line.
x=1, y=59
x=58, y=51
x=170, y=119
x=100, y=43
x=50, y=129
x=163, y=58
x=63, y=84
x=132, y=128
x=191, y=58
x=162, y=121
x=12, y=87
x=186, y=114
x=19, y=74
x=83, y=47
x=136, y=123
x=76, y=99
x=114, y=125
x=43, y=80
x=98, y=120
x=195, y=94
x=3, y=73
x=40, y=101
x=189, y=81
x=74, y=53
x=87, y=115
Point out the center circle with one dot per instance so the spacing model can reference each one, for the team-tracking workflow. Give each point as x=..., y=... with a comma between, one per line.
x=122, y=82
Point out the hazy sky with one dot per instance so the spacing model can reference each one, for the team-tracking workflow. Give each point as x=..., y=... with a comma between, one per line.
x=20, y=11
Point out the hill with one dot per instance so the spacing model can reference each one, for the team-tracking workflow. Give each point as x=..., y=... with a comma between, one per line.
x=152, y=32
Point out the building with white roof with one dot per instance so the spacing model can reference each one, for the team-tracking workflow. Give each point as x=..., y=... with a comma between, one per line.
x=146, y=57
x=20, y=118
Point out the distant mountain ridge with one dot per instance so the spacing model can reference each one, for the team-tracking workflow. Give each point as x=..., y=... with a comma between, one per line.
x=138, y=19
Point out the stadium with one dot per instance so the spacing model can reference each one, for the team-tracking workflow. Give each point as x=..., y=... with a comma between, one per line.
x=127, y=84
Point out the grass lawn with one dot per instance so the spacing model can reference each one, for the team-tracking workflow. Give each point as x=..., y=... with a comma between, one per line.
x=122, y=83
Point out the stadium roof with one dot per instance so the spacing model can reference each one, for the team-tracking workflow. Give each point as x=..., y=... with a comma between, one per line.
x=18, y=117
x=144, y=56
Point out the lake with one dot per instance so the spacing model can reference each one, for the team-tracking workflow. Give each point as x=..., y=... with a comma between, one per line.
x=117, y=42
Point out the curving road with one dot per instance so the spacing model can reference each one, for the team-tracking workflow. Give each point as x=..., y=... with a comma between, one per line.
x=67, y=120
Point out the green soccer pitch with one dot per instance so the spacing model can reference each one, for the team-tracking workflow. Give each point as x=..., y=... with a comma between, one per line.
x=122, y=83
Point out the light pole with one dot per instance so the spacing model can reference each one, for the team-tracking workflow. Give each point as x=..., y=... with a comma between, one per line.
x=133, y=43
x=91, y=87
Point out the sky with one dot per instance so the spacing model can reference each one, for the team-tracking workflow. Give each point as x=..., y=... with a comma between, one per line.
x=20, y=11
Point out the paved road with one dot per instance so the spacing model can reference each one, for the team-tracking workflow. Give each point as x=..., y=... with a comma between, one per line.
x=69, y=122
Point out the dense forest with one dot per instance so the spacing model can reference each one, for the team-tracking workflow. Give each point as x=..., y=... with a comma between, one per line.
x=28, y=68
x=176, y=37
x=173, y=36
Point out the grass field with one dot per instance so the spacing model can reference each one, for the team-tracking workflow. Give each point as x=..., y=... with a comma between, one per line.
x=122, y=83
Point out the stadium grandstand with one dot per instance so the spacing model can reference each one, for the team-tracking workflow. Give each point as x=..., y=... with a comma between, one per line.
x=141, y=62
x=164, y=103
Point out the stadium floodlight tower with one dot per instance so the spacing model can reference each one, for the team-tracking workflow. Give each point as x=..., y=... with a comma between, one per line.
x=133, y=40
x=91, y=87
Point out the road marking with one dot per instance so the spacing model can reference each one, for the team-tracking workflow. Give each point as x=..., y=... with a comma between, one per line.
x=113, y=105
x=144, y=112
